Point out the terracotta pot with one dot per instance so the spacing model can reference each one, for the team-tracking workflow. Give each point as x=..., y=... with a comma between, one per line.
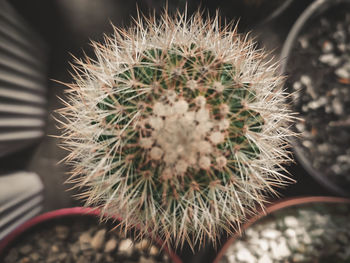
x=277, y=207
x=61, y=214
x=314, y=10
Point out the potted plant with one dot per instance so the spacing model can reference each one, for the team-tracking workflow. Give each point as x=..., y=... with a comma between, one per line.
x=74, y=235
x=179, y=125
x=315, y=59
x=307, y=229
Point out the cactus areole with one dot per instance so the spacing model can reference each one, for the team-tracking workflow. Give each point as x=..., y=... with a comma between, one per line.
x=179, y=125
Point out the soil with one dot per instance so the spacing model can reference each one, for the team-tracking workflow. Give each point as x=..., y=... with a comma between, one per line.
x=80, y=240
x=319, y=74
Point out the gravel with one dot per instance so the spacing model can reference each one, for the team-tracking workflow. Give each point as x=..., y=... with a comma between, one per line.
x=319, y=74
x=82, y=241
x=314, y=233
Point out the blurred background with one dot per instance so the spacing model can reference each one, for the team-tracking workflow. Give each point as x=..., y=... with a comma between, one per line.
x=54, y=30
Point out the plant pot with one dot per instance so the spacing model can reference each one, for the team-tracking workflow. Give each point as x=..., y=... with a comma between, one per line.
x=88, y=242
x=315, y=60
x=289, y=231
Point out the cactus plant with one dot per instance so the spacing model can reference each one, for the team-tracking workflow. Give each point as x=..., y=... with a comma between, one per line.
x=179, y=125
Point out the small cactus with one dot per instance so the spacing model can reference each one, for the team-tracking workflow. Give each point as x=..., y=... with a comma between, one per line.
x=179, y=126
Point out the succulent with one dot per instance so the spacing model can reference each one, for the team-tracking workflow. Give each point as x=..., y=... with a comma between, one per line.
x=179, y=125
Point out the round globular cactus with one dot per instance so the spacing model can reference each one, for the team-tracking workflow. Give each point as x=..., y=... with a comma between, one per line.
x=179, y=125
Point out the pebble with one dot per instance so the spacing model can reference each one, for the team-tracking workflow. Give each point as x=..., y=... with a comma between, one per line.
x=153, y=251
x=110, y=245
x=300, y=126
x=98, y=239
x=34, y=256
x=343, y=72
x=25, y=260
x=307, y=81
x=328, y=109
x=337, y=106
x=315, y=104
x=304, y=43
x=54, y=249
x=341, y=47
x=323, y=148
x=343, y=158
x=25, y=249
x=230, y=258
x=336, y=169
x=62, y=256
x=74, y=249
x=62, y=231
x=85, y=238
x=298, y=257
x=327, y=47
x=265, y=259
x=245, y=255
x=126, y=246
x=339, y=35
x=142, y=245
x=305, y=108
x=329, y=59
x=307, y=239
x=85, y=247
x=293, y=242
x=321, y=219
x=291, y=232
x=281, y=250
x=146, y=260
x=297, y=85
x=250, y=232
x=291, y=221
x=42, y=244
x=307, y=144
x=270, y=233
x=263, y=244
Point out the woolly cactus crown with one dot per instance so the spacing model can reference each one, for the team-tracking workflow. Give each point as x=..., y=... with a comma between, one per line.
x=179, y=126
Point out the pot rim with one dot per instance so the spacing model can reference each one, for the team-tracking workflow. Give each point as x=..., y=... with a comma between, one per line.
x=287, y=203
x=316, y=8
x=66, y=212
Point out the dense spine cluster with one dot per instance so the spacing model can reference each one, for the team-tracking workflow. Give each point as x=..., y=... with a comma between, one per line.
x=179, y=126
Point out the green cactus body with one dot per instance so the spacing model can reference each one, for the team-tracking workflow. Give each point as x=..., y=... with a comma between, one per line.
x=179, y=127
